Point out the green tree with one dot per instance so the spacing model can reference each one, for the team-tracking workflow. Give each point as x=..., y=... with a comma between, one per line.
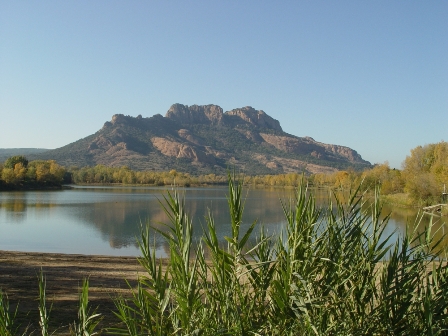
x=13, y=160
x=57, y=172
x=8, y=176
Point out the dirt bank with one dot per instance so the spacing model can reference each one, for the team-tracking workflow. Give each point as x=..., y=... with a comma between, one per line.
x=64, y=274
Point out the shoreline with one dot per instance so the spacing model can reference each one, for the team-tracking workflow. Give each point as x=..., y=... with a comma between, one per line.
x=64, y=273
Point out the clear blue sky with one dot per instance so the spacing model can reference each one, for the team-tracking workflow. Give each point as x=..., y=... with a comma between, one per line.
x=370, y=75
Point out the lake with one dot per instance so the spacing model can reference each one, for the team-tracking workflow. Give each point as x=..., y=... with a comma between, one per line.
x=106, y=220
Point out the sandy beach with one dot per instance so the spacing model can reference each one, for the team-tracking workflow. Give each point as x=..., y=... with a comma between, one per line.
x=64, y=274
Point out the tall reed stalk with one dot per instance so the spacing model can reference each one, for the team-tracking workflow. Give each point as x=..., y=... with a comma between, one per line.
x=8, y=325
x=87, y=320
x=333, y=271
x=44, y=313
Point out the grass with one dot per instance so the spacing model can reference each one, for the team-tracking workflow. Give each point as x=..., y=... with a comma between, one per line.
x=400, y=200
x=333, y=271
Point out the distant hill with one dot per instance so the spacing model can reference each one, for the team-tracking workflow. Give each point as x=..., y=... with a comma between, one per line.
x=6, y=153
x=204, y=139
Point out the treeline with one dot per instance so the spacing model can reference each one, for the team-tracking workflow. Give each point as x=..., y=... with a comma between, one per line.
x=101, y=174
x=422, y=179
x=17, y=173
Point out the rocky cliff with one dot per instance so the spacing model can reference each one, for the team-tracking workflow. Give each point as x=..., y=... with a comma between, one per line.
x=255, y=118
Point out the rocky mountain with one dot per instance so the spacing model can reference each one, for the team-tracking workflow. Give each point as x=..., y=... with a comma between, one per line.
x=204, y=139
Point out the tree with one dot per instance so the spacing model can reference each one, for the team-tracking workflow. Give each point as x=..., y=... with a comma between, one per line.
x=342, y=180
x=19, y=172
x=42, y=173
x=425, y=171
x=13, y=160
x=390, y=180
x=56, y=171
x=8, y=176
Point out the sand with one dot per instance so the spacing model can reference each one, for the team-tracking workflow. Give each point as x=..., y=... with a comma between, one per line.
x=64, y=274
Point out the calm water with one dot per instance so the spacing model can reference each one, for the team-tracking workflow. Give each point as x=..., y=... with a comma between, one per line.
x=106, y=220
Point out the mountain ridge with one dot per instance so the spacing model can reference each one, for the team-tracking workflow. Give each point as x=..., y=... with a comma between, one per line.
x=204, y=139
x=6, y=153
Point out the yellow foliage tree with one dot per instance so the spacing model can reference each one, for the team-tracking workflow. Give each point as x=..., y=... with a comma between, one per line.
x=426, y=171
x=56, y=171
x=19, y=171
x=342, y=180
x=42, y=173
x=390, y=180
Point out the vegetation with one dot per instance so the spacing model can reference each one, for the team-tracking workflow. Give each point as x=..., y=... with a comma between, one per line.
x=326, y=275
x=334, y=271
x=426, y=170
x=420, y=182
x=104, y=175
x=84, y=325
x=18, y=173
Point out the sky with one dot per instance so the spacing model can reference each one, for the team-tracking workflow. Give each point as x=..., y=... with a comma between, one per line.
x=369, y=75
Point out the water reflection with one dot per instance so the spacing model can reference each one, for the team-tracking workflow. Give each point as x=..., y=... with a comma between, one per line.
x=15, y=211
x=106, y=220
x=119, y=221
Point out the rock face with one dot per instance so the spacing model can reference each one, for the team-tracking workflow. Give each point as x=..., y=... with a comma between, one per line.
x=180, y=150
x=195, y=114
x=256, y=118
x=204, y=139
x=308, y=145
x=190, y=137
x=213, y=115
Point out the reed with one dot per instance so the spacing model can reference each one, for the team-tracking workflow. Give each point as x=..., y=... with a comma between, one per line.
x=87, y=320
x=44, y=313
x=332, y=271
x=8, y=325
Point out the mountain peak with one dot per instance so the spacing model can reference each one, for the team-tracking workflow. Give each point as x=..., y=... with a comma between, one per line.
x=213, y=115
x=195, y=114
x=204, y=139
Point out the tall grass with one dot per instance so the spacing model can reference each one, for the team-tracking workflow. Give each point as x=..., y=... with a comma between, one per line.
x=44, y=313
x=8, y=325
x=333, y=271
x=88, y=320
x=85, y=325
